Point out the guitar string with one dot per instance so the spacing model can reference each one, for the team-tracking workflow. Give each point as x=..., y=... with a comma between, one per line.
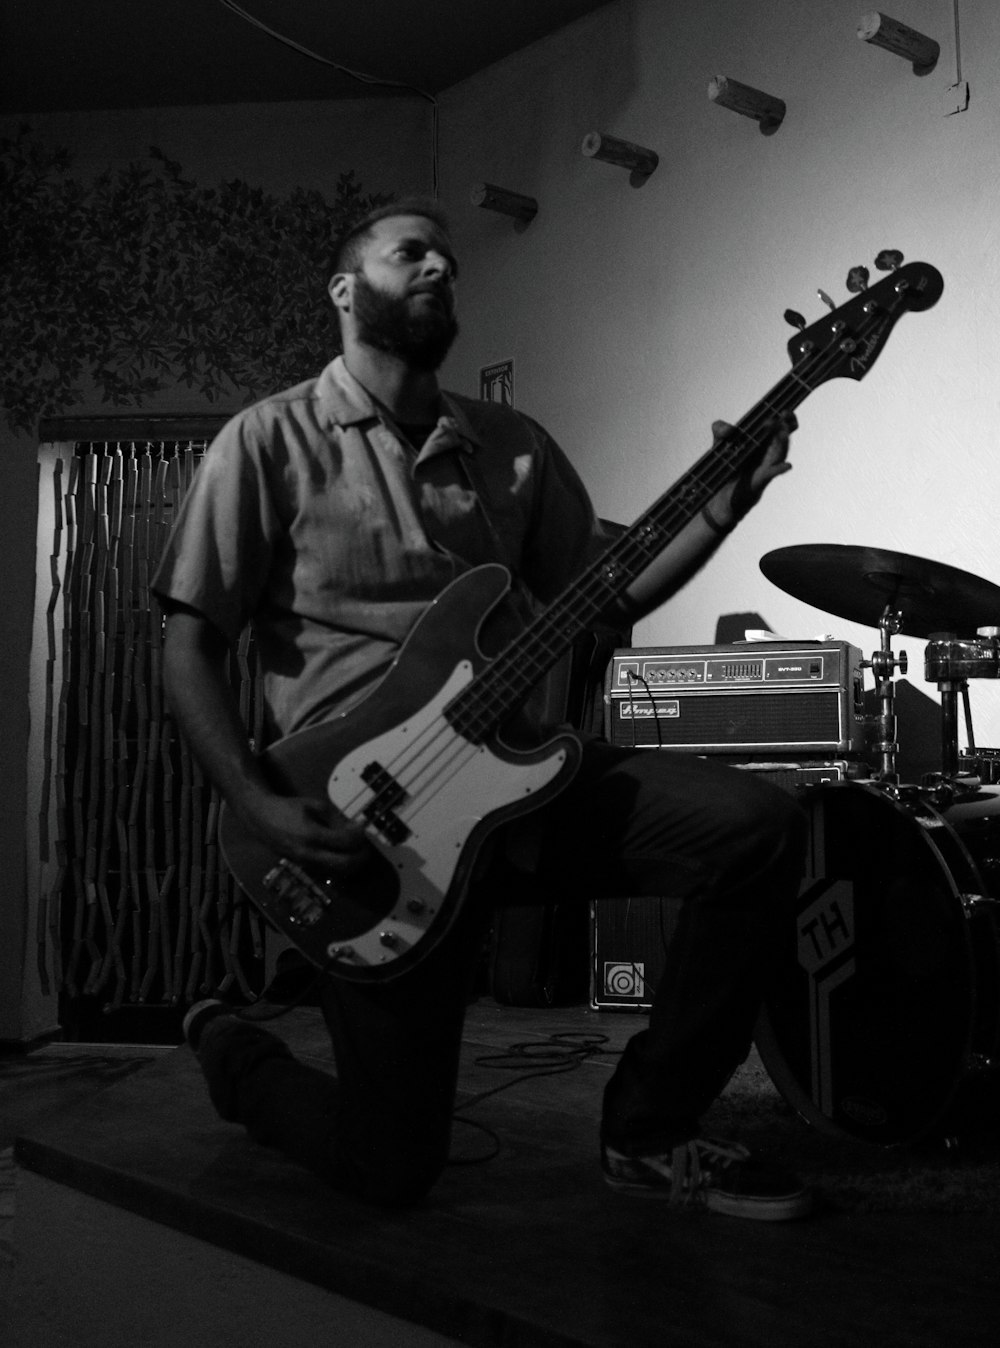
x=710, y=473
x=590, y=595
x=713, y=473
x=421, y=756
x=487, y=713
x=430, y=771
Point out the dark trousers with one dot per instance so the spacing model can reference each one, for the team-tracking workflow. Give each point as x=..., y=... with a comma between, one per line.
x=726, y=843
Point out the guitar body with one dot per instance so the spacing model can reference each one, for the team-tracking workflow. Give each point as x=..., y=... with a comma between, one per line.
x=430, y=797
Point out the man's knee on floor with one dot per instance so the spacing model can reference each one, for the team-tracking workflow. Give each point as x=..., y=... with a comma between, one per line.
x=232, y=1052
x=400, y=1180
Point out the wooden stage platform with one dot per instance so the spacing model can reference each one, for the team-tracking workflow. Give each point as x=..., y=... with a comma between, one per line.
x=529, y=1249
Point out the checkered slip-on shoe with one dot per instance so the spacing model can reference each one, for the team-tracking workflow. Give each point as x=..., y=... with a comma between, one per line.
x=713, y=1175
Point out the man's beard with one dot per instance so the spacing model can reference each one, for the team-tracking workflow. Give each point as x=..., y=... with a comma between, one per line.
x=386, y=323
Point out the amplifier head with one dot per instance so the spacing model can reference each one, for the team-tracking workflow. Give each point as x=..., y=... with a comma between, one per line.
x=793, y=698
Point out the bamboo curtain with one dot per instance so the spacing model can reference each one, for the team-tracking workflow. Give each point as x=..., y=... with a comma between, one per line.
x=136, y=903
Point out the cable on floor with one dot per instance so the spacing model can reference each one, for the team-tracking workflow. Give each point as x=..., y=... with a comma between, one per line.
x=561, y=1052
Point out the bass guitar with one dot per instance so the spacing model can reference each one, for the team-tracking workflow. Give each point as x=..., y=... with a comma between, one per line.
x=419, y=761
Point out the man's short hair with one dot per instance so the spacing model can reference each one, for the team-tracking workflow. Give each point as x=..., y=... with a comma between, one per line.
x=349, y=248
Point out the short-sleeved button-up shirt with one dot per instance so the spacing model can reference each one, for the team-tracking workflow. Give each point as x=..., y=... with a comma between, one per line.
x=311, y=518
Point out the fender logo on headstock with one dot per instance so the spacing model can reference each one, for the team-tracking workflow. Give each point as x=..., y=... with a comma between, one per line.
x=848, y=342
x=869, y=350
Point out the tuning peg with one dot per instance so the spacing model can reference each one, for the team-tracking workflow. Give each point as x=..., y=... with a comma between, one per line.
x=857, y=280
x=796, y=320
x=826, y=299
x=889, y=259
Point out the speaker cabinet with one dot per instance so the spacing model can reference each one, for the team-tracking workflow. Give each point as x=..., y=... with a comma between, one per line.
x=629, y=940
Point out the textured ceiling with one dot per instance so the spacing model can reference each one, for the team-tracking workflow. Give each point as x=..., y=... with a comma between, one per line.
x=66, y=55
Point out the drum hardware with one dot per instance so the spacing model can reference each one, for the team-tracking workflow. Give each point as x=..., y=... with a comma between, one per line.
x=981, y=763
x=950, y=692
x=975, y=903
x=950, y=662
x=905, y=594
x=951, y=658
x=883, y=665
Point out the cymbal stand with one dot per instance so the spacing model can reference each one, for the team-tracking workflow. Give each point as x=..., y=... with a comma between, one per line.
x=883, y=665
x=950, y=690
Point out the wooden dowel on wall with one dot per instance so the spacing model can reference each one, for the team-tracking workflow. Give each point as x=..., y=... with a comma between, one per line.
x=881, y=31
x=766, y=110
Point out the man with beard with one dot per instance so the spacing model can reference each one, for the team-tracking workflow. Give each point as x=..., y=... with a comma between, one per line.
x=330, y=516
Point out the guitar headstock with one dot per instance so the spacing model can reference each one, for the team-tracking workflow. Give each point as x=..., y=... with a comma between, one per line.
x=848, y=341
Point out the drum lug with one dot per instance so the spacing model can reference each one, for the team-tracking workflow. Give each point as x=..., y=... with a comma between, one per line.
x=973, y=903
x=982, y=1063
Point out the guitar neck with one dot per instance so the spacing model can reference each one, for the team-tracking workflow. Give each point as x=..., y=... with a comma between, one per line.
x=502, y=685
x=845, y=343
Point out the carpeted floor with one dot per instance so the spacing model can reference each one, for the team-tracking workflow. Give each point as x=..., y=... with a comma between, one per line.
x=34, y=1086
x=855, y=1176
x=7, y=1191
x=51, y=1080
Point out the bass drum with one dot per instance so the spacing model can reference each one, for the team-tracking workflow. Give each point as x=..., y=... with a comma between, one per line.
x=883, y=1021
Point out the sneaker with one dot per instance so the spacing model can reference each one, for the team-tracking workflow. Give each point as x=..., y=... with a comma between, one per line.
x=718, y=1176
x=198, y=1017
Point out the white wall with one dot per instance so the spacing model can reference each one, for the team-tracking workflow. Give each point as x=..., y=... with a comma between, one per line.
x=638, y=315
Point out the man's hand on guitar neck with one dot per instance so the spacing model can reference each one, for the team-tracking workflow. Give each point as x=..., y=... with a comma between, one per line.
x=737, y=498
x=693, y=546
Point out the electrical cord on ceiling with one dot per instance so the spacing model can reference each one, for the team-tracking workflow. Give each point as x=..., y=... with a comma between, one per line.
x=361, y=76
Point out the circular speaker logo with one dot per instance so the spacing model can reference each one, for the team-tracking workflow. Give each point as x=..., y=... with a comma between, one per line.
x=624, y=978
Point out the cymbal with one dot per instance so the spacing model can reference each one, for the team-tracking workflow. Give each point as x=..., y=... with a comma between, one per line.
x=857, y=583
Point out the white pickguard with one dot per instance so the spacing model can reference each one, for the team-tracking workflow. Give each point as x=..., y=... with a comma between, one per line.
x=451, y=785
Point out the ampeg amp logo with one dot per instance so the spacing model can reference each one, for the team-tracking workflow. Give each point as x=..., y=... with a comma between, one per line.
x=662, y=710
x=624, y=978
